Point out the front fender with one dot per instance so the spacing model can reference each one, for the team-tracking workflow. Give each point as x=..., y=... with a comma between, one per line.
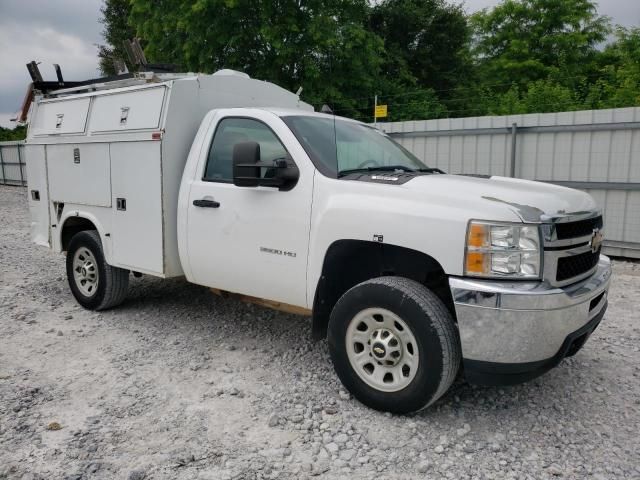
x=424, y=221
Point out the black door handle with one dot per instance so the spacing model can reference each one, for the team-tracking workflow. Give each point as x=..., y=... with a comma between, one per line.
x=206, y=203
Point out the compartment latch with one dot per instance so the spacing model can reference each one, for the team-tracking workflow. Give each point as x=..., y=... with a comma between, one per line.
x=124, y=115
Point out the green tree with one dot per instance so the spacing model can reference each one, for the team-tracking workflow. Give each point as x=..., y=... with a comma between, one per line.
x=323, y=46
x=538, y=97
x=419, y=105
x=406, y=104
x=425, y=41
x=11, y=134
x=115, y=17
x=619, y=83
x=424, y=58
x=526, y=40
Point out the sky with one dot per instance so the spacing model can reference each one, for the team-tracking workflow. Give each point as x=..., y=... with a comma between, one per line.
x=66, y=32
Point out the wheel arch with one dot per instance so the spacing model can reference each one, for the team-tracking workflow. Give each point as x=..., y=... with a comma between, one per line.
x=350, y=262
x=71, y=226
x=73, y=222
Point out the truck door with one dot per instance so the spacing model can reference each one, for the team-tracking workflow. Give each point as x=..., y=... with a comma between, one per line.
x=249, y=240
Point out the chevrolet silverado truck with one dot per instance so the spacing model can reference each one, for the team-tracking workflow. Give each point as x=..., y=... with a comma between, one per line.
x=413, y=276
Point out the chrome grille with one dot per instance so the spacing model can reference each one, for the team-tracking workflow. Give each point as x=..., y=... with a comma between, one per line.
x=580, y=228
x=568, y=254
x=570, y=267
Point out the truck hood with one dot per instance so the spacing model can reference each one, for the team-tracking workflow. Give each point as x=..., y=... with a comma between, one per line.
x=530, y=201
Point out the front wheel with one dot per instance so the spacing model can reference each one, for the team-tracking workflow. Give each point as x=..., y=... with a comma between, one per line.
x=95, y=284
x=394, y=344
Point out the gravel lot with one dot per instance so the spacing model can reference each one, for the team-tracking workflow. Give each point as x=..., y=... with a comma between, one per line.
x=180, y=384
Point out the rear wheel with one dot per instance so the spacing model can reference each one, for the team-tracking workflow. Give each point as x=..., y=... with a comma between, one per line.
x=394, y=344
x=95, y=284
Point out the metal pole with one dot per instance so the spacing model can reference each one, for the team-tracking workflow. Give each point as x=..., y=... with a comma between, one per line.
x=514, y=134
x=375, y=106
x=4, y=179
x=20, y=164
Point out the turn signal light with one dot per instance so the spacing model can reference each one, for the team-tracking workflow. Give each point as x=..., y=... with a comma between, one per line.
x=476, y=262
x=477, y=235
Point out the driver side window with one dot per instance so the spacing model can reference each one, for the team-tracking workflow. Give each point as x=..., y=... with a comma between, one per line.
x=231, y=131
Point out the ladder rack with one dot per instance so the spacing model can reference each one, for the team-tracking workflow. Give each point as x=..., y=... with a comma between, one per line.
x=61, y=87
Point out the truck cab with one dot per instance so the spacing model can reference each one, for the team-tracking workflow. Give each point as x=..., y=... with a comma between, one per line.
x=413, y=276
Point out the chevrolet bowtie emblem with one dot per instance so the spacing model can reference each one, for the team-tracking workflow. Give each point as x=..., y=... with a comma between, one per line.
x=596, y=240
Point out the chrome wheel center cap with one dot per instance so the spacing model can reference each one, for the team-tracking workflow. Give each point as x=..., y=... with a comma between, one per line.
x=385, y=347
x=378, y=350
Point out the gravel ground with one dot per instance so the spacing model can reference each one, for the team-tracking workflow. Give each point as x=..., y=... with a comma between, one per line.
x=180, y=384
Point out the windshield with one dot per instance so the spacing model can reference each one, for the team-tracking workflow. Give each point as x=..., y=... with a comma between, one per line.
x=340, y=147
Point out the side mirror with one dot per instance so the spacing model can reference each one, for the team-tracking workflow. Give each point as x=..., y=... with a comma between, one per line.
x=246, y=172
x=281, y=173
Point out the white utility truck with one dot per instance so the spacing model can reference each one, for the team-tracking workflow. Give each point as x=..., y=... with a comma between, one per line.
x=413, y=275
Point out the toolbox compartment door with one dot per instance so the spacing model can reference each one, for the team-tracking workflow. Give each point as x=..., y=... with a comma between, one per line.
x=137, y=206
x=134, y=110
x=61, y=117
x=80, y=173
x=38, y=194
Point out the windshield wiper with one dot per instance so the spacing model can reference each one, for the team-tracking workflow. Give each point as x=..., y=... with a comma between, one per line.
x=429, y=170
x=381, y=168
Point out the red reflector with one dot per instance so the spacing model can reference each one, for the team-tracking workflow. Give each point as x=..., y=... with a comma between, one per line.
x=156, y=136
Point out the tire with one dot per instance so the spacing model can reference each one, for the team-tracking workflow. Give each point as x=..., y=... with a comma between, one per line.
x=402, y=376
x=104, y=286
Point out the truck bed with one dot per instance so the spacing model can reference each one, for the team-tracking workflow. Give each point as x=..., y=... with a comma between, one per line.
x=115, y=157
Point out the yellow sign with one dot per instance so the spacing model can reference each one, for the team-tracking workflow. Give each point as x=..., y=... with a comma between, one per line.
x=381, y=111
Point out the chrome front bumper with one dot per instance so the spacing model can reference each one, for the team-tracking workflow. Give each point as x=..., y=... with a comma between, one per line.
x=521, y=329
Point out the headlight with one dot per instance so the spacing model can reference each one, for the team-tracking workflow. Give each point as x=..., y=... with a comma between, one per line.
x=502, y=250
